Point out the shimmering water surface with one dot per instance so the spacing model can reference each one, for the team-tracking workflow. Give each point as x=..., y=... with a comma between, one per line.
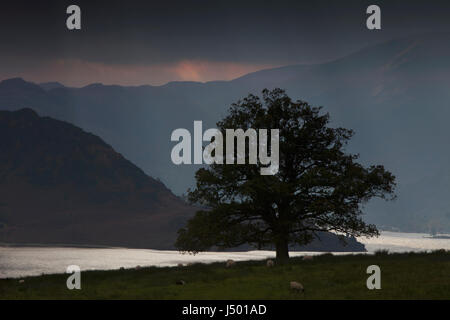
x=27, y=261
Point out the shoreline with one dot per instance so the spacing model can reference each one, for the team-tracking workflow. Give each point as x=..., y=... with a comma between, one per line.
x=440, y=236
x=92, y=246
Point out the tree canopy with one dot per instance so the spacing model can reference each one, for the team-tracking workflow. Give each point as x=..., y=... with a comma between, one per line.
x=318, y=187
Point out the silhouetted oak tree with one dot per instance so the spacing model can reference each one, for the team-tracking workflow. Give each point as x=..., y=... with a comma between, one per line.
x=319, y=187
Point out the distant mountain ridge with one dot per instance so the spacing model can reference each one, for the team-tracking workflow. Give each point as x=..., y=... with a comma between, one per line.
x=51, y=85
x=394, y=95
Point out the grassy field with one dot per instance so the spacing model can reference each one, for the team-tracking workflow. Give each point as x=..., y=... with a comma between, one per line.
x=403, y=276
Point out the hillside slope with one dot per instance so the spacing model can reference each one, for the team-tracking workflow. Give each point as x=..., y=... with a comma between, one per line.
x=59, y=184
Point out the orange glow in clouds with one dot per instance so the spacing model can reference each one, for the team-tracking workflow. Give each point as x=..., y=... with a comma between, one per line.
x=210, y=71
x=78, y=73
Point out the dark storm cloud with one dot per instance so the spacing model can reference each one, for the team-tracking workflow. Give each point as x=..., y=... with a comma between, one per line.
x=248, y=32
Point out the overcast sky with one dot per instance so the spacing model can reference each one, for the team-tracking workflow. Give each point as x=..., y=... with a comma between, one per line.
x=153, y=42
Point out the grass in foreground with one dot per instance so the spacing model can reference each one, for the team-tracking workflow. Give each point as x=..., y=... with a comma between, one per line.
x=403, y=276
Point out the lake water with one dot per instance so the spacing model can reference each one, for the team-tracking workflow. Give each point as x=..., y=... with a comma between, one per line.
x=27, y=261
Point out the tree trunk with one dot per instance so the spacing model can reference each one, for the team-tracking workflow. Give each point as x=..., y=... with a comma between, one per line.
x=282, y=249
